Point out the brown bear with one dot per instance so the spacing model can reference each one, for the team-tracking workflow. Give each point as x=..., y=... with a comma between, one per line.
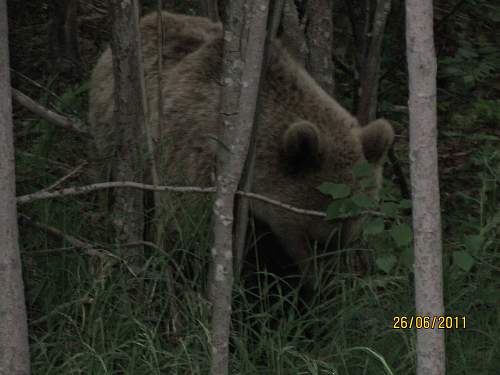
x=303, y=139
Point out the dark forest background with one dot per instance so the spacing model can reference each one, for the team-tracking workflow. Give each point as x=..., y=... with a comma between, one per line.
x=80, y=323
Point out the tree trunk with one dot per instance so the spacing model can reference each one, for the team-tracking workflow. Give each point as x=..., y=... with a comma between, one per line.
x=210, y=9
x=238, y=104
x=243, y=205
x=425, y=183
x=130, y=115
x=293, y=36
x=370, y=66
x=64, y=34
x=14, y=349
x=319, y=37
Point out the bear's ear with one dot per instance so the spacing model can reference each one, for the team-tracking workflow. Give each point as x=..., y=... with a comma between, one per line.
x=377, y=138
x=302, y=146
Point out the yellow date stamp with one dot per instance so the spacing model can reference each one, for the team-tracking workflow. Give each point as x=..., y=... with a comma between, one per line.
x=429, y=322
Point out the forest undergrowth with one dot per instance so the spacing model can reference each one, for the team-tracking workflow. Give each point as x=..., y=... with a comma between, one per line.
x=89, y=313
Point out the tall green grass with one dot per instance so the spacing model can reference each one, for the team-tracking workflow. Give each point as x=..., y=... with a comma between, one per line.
x=89, y=315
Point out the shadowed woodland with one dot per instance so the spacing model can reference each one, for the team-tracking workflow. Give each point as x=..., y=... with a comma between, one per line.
x=89, y=312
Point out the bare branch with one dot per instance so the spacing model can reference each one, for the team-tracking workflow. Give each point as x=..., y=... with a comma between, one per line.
x=64, y=178
x=80, y=301
x=80, y=190
x=36, y=84
x=48, y=115
x=87, y=247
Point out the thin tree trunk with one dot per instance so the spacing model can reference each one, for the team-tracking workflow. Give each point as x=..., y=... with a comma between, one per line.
x=130, y=115
x=14, y=349
x=239, y=101
x=64, y=33
x=243, y=204
x=370, y=67
x=210, y=9
x=293, y=37
x=425, y=183
x=319, y=37
x=160, y=203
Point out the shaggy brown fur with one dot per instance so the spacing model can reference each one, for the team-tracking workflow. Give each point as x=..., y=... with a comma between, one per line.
x=304, y=136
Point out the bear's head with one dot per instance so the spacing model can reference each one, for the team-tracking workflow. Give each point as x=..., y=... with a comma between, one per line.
x=308, y=156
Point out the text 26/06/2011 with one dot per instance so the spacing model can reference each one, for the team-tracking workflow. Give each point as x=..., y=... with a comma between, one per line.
x=429, y=322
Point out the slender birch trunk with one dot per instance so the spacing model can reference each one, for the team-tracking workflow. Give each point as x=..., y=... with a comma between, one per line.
x=130, y=115
x=425, y=183
x=14, y=349
x=370, y=66
x=319, y=37
x=210, y=9
x=238, y=103
x=64, y=33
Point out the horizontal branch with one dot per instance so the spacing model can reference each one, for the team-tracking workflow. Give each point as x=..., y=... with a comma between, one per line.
x=176, y=189
x=87, y=247
x=48, y=115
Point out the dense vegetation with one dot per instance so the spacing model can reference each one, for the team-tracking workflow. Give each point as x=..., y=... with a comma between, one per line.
x=89, y=314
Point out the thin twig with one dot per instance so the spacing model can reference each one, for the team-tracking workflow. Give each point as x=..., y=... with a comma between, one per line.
x=49, y=251
x=48, y=115
x=87, y=247
x=352, y=72
x=80, y=301
x=35, y=83
x=64, y=178
x=79, y=190
x=58, y=164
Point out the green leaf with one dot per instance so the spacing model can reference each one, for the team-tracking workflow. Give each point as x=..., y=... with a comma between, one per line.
x=381, y=242
x=337, y=191
x=386, y=262
x=389, y=209
x=474, y=243
x=335, y=209
x=364, y=201
x=362, y=169
x=469, y=80
x=401, y=234
x=408, y=257
x=374, y=226
x=405, y=204
x=463, y=260
x=368, y=182
x=484, y=137
x=488, y=295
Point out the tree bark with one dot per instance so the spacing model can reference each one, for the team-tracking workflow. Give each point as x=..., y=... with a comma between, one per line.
x=14, y=349
x=64, y=33
x=293, y=36
x=319, y=37
x=370, y=67
x=425, y=183
x=238, y=104
x=243, y=204
x=48, y=115
x=130, y=115
x=210, y=9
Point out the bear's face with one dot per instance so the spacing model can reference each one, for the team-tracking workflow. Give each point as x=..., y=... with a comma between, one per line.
x=309, y=156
